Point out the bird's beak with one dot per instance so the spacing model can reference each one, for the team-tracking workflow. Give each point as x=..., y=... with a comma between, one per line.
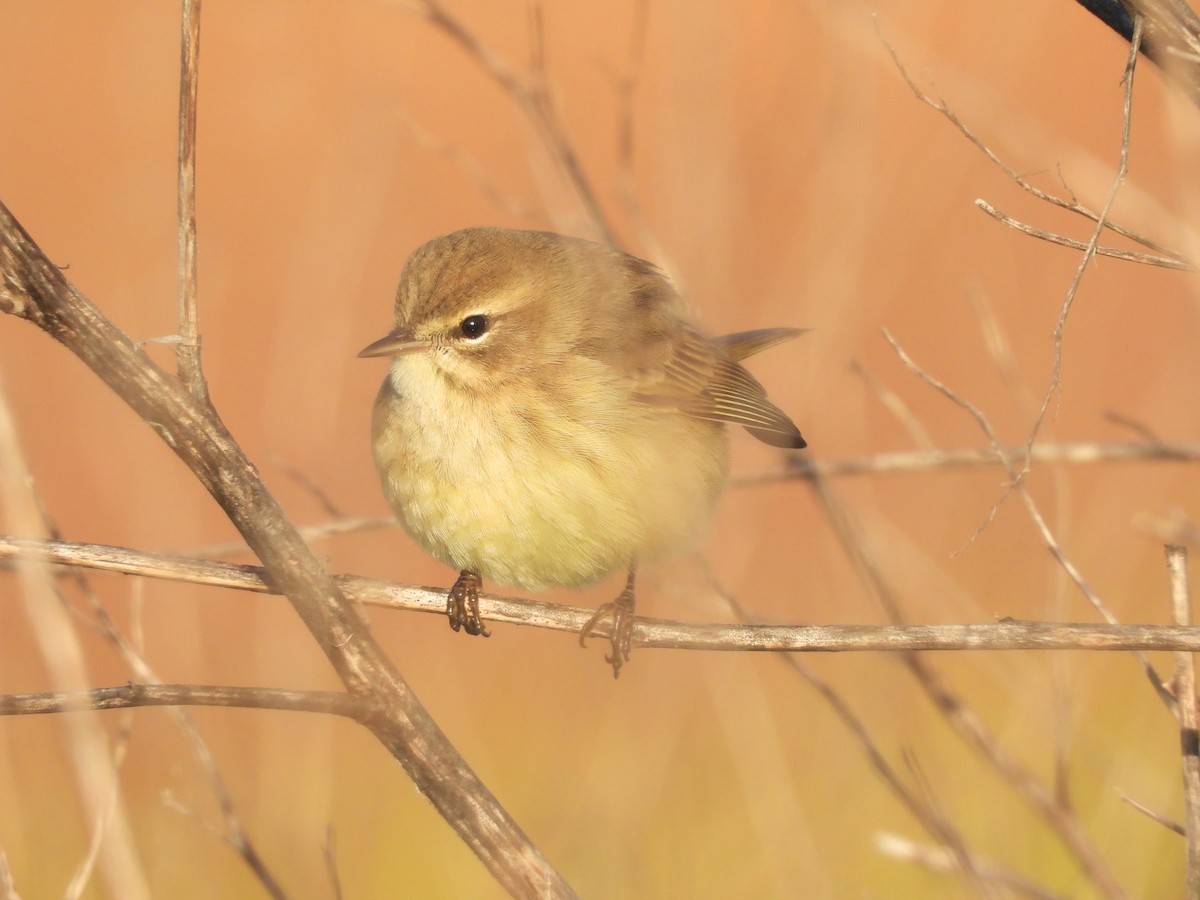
x=394, y=343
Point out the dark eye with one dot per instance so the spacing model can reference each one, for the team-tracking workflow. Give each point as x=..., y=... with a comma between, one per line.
x=473, y=327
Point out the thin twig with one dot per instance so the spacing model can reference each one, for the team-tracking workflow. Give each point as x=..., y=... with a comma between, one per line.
x=1175, y=528
x=1017, y=483
x=134, y=696
x=942, y=859
x=958, y=713
x=83, y=873
x=58, y=642
x=1149, y=259
x=1189, y=728
x=1155, y=816
x=661, y=633
x=8, y=887
x=187, y=347
x=35, y=289
x=959, y=858
x=1090, y=250
x=532, y=96
x=936, y=460
x=469, y=165
x=626, y=84
x=1071, y=206
x=329, y=852
x=999, y=350
x=894, y=404
x=1172, y=39
x=935, y=824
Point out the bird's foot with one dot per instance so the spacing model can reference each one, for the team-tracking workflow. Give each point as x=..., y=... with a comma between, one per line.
x=462, y=604
x=620, y=634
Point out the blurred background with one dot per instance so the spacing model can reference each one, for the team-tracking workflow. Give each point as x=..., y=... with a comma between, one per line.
x=771, y=158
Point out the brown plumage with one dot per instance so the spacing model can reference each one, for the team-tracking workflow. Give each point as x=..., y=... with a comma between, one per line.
x=550, y=416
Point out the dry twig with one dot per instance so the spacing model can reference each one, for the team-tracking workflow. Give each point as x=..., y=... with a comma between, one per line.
x=1149, y=259
x=1157, y=817
x=1189, y=728
x=187, y=346
x=533, y=98
x=942, y=859
x=936, y=825
x=87, y=743
x=34, y=289
x=1072, y=205
x=660, y=633
x=957, y=712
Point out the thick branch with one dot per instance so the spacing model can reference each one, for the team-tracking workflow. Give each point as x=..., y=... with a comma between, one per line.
x=34, y=289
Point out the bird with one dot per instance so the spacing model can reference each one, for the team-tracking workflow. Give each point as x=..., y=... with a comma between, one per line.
x=551, y=416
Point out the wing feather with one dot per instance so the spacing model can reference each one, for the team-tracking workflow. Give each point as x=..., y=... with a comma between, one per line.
x=704, y=379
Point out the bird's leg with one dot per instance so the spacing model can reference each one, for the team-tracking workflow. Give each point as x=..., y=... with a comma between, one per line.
x=462, y=604
x=621, y=633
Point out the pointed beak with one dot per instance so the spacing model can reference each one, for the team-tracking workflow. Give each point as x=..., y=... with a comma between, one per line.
x=394, y=343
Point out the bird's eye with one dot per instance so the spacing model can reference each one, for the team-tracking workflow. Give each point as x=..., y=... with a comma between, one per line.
x=474, y=327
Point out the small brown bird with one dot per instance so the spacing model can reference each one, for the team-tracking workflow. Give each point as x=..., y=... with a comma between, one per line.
x=550, y=416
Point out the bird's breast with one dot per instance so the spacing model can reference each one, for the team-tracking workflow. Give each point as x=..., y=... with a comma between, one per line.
x=556, y=481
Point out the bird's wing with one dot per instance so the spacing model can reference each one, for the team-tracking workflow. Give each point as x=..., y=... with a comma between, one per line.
x=746, y=343
x=704, y=379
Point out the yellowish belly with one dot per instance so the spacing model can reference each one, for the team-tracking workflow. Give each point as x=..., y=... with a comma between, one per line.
x=559, y=499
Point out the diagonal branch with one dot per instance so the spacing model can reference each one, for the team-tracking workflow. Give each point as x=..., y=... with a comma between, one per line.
x=532, y=96
x=34, y=289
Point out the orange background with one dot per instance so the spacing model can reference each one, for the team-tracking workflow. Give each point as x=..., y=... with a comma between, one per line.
x=784, y=174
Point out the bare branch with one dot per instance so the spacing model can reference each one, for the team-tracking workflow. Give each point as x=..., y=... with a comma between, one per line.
x=35, y=289
x=1189, y=732
x=91, y=759
x=961, y=718
x=1157, y=817
x=936, y=460
x=187, y=347
x=83, y=874
x=935, y=824
x=958, y=857
x=329, y=852
x=1166, y=262
x=894, y=404
x=8, y=888
x=1005, y=635
x=132, y=696
x=468, y=165
x=1071, y=206
x=942, y=859
x=1090, y=250
x=532, y=96
x=310, y=533
x=1017, y=483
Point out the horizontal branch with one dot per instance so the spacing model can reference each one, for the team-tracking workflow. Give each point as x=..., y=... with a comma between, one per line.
x=661, y=633
x=898, y=463
x=916, y=461
x=34, y=288
x=128, y=696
